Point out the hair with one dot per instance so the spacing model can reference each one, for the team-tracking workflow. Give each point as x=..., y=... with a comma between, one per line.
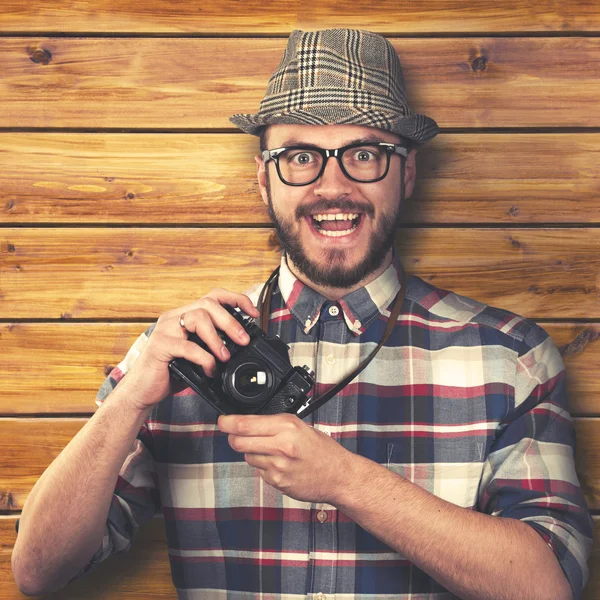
x=263, y=138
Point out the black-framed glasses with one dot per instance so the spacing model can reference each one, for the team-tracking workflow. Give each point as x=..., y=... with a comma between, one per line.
x=364, y=163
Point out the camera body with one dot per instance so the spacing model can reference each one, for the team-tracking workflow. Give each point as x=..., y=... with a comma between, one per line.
x=257, y=379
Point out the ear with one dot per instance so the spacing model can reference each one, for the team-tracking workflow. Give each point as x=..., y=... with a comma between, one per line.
x=410, y=174
x=261, y=176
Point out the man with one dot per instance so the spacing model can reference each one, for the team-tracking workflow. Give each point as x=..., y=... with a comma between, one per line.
x=444, y=469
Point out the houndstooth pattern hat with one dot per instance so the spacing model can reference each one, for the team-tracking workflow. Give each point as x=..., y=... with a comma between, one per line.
x=343, y=77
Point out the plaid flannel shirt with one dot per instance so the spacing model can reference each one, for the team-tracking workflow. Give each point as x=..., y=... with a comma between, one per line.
x=465, y=400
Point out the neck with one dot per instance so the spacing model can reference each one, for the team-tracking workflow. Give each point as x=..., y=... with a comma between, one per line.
x=334, y=293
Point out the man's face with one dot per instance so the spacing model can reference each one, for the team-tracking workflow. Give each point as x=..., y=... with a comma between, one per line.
x=340, y=252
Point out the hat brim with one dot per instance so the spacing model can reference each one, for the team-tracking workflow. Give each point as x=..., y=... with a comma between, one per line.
x=415, y=127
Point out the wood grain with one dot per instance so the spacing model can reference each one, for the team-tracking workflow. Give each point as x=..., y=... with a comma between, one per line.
x=28, y=446
x=579, y=345
x=57, y=368
x=143, y=573
x=210, y=178
x=140, y=272
x=256, y=18
x=198, y=83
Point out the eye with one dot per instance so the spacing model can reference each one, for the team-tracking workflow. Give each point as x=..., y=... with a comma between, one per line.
x=302, y=158
x=364, y=155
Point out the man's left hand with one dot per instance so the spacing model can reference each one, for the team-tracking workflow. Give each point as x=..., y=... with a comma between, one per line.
x=293, y=457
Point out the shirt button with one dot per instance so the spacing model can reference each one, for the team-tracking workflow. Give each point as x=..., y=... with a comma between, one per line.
x=330, y=359
x=307, y=323
x=322, y=516
x=334, y=311
x=319, y=596
x=357, y=324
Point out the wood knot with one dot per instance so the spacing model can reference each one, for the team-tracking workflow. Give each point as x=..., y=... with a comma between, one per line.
x=10, y=204
x=41, y=56
x=479, y=63
x=514, y=211
x=578, y=345
x=11, y=247
x=130, y=196
x=7, y=501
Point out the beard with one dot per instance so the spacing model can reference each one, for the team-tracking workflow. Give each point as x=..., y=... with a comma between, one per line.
x=334, y=271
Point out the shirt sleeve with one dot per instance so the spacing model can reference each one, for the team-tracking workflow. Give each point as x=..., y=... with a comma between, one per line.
x=135, y=498
x=530, y=471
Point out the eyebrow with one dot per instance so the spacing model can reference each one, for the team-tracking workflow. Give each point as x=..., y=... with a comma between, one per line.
x=370, y=139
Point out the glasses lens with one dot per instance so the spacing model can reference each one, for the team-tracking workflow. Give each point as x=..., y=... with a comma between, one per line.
x=299, y=165
x=366, y=163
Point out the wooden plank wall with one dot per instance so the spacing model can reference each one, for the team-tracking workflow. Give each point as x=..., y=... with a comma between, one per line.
x=124, y=191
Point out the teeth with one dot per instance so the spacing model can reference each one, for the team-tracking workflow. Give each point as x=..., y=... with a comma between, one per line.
x=341, y=233
x=335, y=217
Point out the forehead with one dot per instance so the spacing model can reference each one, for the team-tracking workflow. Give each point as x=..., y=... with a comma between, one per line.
x=326, y=136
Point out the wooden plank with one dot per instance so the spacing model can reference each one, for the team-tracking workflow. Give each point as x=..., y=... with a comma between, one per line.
x=143, y=572
x=58, y=367
x=198, y=83
x=139, y=273
x=254, y=17
x=28, y=446
x=208, y=178
x=580, y=346
x=588, y=459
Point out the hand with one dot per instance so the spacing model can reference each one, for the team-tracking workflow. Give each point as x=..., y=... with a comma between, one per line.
x=295, y=458
x=148, y=381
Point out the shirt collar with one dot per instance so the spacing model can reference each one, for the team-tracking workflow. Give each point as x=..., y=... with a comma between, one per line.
x=359, y=308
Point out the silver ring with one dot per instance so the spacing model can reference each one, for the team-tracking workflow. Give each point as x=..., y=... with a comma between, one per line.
x=181, y=321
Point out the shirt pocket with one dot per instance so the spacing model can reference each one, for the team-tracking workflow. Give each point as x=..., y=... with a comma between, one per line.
x=454, y=481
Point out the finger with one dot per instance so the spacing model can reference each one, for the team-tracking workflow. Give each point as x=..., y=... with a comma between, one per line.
x=200, y=357
x=260, y=462
x=221, y=319
x=204, y=324
x=166, y=347
x=258, y=425
x=234, y=299
x=221, y=296
x=254, y=445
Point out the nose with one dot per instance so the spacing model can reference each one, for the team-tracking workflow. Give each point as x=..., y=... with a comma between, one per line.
x=332, y=183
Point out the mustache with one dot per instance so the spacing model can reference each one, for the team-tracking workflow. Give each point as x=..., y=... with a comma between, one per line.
x=344, y=204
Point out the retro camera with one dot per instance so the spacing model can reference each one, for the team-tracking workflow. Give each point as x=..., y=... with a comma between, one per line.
x=257, y=379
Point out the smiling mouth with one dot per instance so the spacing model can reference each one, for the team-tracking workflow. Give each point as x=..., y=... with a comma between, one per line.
x=336, y=225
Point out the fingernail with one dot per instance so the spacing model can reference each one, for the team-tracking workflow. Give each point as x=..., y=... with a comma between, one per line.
x=224, y=352
x=243, y=335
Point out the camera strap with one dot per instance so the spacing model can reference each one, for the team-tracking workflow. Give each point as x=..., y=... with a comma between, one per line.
x=264, y=307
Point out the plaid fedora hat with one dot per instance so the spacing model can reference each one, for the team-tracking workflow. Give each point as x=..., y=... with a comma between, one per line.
x=343, y=77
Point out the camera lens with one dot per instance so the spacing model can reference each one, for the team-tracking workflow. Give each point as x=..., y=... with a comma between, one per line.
x=250, y=382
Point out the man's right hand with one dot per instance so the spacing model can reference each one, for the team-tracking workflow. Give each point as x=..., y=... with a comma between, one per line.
x=64, y=518
x=148, y=381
